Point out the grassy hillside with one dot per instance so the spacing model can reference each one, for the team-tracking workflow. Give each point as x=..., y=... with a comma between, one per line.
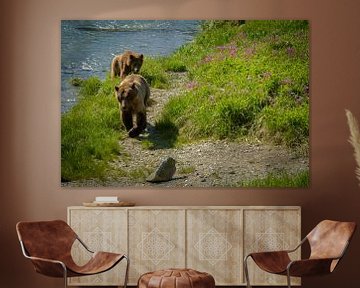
x=247, y=80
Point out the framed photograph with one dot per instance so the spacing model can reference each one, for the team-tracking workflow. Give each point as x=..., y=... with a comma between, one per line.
x=185, y=103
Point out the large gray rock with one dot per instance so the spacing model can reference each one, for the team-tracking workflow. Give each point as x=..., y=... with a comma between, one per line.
x=164, y=172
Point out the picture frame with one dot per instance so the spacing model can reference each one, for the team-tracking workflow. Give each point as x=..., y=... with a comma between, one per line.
x=228, y=105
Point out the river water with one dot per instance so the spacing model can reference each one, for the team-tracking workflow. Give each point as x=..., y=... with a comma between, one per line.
x=88, y=46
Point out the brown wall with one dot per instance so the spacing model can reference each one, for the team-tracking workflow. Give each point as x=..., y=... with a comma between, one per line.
x=30, y=119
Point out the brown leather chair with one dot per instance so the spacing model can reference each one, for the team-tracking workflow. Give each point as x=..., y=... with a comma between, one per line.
x=48, y=245
x=328, y=242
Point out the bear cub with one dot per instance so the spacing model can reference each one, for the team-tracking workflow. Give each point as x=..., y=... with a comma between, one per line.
x=133, y=94
x=126, y=63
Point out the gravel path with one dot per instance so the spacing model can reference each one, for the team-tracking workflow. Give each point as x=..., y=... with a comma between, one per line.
x=203, y=164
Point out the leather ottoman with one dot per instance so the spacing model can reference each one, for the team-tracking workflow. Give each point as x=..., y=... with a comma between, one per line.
x=176, y=278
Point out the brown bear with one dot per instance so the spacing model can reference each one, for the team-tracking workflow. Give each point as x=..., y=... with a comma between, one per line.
x=126, y=63
x=133, y=94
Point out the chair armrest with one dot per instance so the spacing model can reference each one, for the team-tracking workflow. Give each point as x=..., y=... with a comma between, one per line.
x=298, y=246
x=268, y=253
x=84, y=245
x=48, y=267
x=281, y=251
x=309, y=267
x=46, y=260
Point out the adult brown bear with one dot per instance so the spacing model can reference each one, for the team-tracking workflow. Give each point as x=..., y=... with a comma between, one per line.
x=133, y=94
x=126, y=63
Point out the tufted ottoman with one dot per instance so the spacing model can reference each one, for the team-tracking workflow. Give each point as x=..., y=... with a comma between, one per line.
x=176, y=278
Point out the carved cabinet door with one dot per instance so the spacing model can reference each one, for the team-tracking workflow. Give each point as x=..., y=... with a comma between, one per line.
x=101, y=230
x=156, y=240
x=214, y=244
x=269, y=230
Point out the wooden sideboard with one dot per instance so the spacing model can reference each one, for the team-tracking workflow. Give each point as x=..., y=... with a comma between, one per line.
x=211, y=239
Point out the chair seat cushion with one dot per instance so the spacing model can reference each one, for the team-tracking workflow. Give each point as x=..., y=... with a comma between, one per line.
x=99, y=262
x=272, y=262
x=176, y=278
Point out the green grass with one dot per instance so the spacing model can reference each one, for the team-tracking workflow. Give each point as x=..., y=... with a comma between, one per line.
x=250, y=80
x=154, y=73
x=284, y=180
x=174, y=64
x=76, y=81
x=187, y=170
x=90, y=132
x=139, y=174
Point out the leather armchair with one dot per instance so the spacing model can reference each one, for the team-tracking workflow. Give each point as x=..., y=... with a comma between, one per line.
x=328, y=242
x=48, y=245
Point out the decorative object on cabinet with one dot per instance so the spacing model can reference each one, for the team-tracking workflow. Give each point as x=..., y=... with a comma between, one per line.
x=204, y=238
x=176, y=278
x=328, y=242
x=109, y=204
x=48, y=245
x=108, y=201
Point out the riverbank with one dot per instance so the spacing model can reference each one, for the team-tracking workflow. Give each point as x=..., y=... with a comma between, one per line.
x=88, y=46
x=241, y=87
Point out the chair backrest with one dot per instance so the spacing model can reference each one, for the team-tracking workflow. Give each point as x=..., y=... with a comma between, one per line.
x=329, y=239
x=46, y=239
